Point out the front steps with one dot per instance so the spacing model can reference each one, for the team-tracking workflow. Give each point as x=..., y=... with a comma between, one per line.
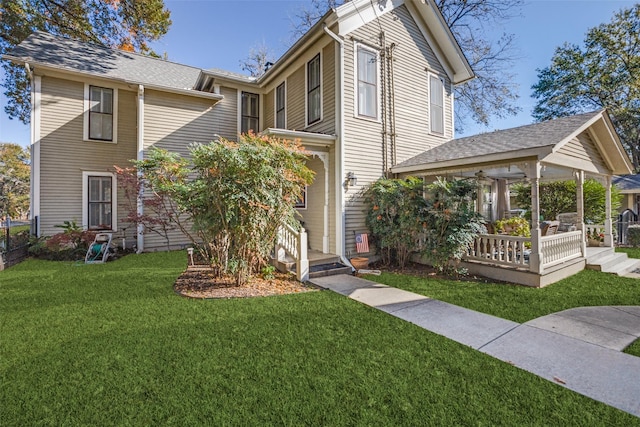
x=609, y=261
x=320, y=265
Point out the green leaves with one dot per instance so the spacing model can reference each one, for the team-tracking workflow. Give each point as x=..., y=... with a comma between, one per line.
x=233, y=196
x=14, y=180
x=605, y=73
x=122, y=24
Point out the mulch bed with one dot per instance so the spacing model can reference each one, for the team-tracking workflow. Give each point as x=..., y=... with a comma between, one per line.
x=199, y=282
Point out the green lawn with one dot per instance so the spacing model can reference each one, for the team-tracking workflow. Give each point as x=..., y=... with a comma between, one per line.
x=113, y=344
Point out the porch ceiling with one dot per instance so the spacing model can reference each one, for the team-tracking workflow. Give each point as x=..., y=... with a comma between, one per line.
x=508, y=152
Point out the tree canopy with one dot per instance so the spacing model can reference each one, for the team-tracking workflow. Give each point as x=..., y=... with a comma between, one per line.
x=493, y=93
x=14, y=180
x=604, y=73
x=124, y=24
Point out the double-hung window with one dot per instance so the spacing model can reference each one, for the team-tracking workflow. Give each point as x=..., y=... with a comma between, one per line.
x=367, y=75
x=250, y=119
x=314, y=91
x=99, y=197
x=100, y=113
x=281, y=117
x=436, y=104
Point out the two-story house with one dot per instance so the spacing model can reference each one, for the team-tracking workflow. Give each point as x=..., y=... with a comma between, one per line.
x=366, y=90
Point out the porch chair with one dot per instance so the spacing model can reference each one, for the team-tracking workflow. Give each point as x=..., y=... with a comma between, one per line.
x=550, y=228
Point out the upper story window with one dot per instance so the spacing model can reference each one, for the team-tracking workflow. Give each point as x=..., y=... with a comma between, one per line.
x=367, y=76
x=101, y=112
x=250, y=119
x=314, y=91
x=281, y=117
x=436, y=104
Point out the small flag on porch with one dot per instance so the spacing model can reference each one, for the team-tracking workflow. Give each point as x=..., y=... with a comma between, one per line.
x=362, y=243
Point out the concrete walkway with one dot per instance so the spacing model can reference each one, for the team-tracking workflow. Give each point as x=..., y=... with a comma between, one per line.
x=578, y=348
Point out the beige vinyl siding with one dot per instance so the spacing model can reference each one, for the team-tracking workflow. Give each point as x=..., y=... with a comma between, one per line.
x=313, y=215
x=328, y=61
x=226, y=115
x=64, y=155
x=268, y=110
x=583, y=148
x=296, y=99
x=191, y=120
x=413, y=60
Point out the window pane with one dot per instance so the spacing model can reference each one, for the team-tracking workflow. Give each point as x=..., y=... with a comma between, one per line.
x=107, y=127
x=314, y=105
x=314, y=73
x=105, y=193
x=107, y=101
x=367, y=66
x=367, y=103
x=436, y=110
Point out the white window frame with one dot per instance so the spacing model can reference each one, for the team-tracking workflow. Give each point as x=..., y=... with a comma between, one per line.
x=87, y=107
x=442, y=82
x=85, y=198
x=240, y=111
x=301, y=204
x=356, y=89
x=306, y=90
x=275, y=105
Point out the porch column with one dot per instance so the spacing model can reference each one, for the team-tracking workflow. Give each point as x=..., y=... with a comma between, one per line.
x=608, y=231
x=580, y=208
x=535, y=258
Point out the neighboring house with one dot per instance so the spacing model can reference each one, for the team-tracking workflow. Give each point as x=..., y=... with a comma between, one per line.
x=366, y=90
x=629, y=188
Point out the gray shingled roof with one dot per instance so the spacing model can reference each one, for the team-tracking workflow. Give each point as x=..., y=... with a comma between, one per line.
x=627, y=182
x=230, y=75
x=537, y=135
x=73, y=55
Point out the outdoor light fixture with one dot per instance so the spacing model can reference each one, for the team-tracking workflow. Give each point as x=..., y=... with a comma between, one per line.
x=352, y=180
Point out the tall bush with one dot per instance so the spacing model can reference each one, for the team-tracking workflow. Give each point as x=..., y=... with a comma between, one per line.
x=394, y=217
x=452, y=222
x=231, y=197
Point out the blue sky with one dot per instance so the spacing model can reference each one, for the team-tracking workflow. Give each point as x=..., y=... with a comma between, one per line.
x=219, y=33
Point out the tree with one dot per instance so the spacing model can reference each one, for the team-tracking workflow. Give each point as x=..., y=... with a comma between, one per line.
x=492, y=93
x=560, y=196
x=123, y=24
x=14, y=180
x=231, y=197
x=259, y=59
x=605, y=73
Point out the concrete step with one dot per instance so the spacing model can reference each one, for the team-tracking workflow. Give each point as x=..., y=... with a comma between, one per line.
x=624, y=267
x=331, y=269
x=608, y=262
x=596, y=254
x=325, y=259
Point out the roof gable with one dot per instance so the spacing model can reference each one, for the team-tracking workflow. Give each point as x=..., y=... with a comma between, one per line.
x=547, y=141
x=357, y=13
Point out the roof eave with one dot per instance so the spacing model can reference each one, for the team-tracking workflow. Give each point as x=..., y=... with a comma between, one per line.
x=306, y=138
x=516, y=156
x=40, y=65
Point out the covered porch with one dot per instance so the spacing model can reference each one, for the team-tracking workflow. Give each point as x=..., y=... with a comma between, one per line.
x=570, y=148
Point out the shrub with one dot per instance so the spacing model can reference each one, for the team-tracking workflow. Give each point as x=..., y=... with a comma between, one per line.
x=633, y=235
x=395, y=208
x=451, y=221
x=515, y=226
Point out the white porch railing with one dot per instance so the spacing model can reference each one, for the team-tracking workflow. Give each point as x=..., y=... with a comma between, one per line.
x=560, y=247
x=294, y=243
x=514, y=251
x=594, y=230
x=500, y=249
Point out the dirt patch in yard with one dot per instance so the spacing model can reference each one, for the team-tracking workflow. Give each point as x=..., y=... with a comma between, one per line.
x=200, y=283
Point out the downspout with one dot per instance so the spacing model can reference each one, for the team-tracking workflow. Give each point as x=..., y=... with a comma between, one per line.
x=392, y=107
x=140, y=156
x=34, y=148
x=339, y=167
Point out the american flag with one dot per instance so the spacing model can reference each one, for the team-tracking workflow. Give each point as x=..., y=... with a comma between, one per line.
x=362, y=243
